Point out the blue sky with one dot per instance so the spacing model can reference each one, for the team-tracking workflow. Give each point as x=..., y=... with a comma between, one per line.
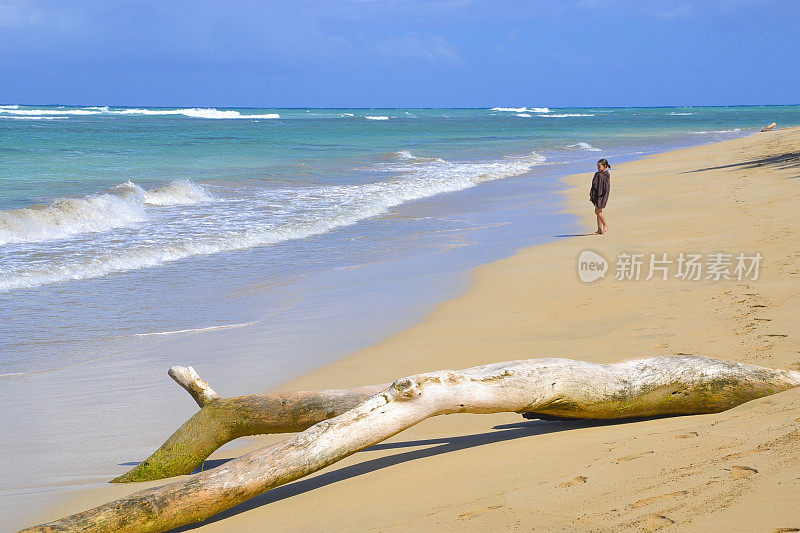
x=400, y=53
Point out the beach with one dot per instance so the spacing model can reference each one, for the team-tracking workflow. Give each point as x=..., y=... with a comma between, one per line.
x=731, y=470
x=257, y=244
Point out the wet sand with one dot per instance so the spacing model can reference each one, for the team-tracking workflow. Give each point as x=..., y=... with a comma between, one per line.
x=735, y=470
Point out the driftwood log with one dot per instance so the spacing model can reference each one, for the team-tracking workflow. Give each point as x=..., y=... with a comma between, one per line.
x=557, y=387
x=221, y=420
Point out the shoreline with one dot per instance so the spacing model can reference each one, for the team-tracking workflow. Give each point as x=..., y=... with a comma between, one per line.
x=508, y=314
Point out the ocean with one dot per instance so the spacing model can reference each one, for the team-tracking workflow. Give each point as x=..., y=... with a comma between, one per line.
x=132, y=239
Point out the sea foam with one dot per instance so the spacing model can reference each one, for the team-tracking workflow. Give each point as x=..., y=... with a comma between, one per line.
x=583, y=146
x=566, y=115
x=510, y=109
x=711, y=132
x=48, y=112
x=242, y=219
x=522, y=109
x=193, y=112
x=121, y=206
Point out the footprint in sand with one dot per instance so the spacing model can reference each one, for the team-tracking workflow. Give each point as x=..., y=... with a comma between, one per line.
x=689, y=435
x=657, y=521
x=634, y=456
x=473, y=514
x=654, y=499
x=785, y=529
x=574, y=481
x=739, y=472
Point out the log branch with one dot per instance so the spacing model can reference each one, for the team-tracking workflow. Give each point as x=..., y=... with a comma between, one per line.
x=187, y=378
x=560, y=387
x=221, y=420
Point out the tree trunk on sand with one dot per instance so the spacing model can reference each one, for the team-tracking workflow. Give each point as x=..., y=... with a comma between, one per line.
x=560, y=387
x=221, y=420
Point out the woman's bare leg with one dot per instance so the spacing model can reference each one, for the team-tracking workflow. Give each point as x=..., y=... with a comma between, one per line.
x=602, y=226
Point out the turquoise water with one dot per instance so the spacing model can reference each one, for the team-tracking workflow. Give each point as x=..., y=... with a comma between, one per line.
x=49, y=152
x=256, y=244
x=110, y=211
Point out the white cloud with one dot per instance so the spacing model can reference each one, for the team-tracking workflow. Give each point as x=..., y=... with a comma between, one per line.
x=415, y=47
x=17, y=14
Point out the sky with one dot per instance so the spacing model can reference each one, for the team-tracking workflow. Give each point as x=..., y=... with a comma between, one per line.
x=400, y=53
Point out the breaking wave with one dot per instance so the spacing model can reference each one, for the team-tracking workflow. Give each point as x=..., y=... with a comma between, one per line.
x=121, y=206
x=522, y=109
x=193, y=112
x=404, y=154
x=244, y=216
x=370, y=117
x=711, y=132
x=178, y=192
x=583, y=146
x=565, y=115
x=49, y=112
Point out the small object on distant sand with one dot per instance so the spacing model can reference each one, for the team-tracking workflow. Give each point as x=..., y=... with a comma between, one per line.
x=574, y=481
x=657, y=521
x=739, y=472
x=769, y=127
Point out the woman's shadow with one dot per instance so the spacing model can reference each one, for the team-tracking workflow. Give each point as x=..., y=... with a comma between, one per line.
x=437, y=447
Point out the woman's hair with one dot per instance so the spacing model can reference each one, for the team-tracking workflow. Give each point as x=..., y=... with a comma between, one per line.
x=605, y=163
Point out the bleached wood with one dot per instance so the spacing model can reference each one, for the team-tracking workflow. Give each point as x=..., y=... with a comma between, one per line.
x=199, y=389
x=561, y=387
x=225, y=419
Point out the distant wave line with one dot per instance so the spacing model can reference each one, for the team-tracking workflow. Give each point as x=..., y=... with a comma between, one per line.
x=195, y=330
x=192, y=112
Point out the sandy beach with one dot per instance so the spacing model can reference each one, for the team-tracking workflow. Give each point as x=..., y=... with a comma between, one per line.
x=735, y=470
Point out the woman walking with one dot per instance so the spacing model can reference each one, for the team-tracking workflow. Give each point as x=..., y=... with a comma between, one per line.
x=598, y=195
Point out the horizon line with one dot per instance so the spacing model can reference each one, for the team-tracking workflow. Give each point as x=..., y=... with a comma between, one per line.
x=189, y=106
